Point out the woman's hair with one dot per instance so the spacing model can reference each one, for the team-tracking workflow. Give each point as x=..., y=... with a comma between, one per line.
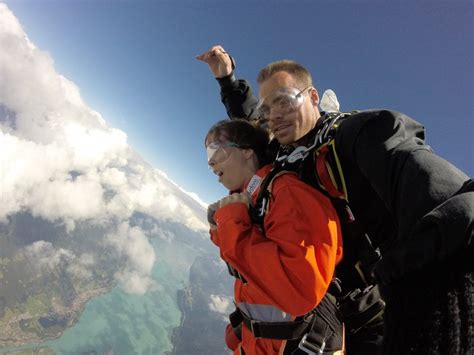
x=247, y=135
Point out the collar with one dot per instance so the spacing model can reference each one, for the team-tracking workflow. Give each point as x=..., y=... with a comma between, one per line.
x=308, y=138
x=253, y=185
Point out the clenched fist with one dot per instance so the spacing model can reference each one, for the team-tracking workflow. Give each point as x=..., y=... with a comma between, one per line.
x=219, y=61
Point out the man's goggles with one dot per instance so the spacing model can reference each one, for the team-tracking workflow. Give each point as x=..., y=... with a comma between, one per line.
x=282, y=99
x=216, y=151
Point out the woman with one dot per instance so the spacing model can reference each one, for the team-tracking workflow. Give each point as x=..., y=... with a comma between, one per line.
x=284, y=267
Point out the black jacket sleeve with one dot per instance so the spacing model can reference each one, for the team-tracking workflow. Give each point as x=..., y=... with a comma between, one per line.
x=431, y=201
x=238, y=98
x=445, y=233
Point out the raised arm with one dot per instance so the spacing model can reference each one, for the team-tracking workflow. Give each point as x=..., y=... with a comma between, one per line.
x=236, y=95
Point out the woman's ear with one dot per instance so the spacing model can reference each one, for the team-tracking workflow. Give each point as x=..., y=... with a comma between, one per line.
x=248, y=153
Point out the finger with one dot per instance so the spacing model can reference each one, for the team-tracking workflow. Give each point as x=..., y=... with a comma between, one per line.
x=201, y=57
x=218, y=51
x=204, y=57
x=214, y=50
x=209, y=58
x=218, y=48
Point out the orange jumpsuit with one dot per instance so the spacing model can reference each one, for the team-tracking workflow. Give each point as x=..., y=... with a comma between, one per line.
x=288, y=270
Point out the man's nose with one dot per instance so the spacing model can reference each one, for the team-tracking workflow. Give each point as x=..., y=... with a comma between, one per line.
x=275, y=115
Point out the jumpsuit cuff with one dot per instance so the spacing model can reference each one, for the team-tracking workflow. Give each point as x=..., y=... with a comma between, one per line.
x=226, y=80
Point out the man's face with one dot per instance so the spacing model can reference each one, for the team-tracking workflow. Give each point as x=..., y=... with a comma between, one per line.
x=290, y=125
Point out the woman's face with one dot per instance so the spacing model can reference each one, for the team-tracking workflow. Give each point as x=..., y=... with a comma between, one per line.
x=228, y=162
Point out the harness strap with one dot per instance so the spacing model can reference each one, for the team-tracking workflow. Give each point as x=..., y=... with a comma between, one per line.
x=324, y=173
x=235, y=273
x=362, y=308
x=324, y=317
x=258, y=212
x=278, y=330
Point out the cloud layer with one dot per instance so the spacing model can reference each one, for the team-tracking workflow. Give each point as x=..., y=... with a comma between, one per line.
x=60, y=160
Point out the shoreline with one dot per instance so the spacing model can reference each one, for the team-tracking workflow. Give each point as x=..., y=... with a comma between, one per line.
x=14, y=337
x=181, y=299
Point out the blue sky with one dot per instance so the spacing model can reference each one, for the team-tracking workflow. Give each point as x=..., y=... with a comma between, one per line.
x=134, y=62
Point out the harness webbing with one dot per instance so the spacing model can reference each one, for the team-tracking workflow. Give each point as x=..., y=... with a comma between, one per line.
x=324, y=315
x=331, y=181
x=258, y=212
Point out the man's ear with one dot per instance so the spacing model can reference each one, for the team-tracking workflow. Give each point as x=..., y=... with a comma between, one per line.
x=314, y=96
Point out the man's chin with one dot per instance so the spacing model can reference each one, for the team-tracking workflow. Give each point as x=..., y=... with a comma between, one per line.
x=284, y=139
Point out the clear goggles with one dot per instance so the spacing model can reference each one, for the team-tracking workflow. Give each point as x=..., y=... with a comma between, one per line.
x=217, y=152
x=283, y=100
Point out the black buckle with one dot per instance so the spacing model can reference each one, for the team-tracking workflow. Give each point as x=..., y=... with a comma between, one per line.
x=311, y=348
x=254, y=328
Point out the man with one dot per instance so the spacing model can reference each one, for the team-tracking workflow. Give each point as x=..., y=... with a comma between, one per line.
x=416, y=207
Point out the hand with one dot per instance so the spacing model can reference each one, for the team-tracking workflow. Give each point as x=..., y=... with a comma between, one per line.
x=242, y=197
x=233, y=336
x=219, y=61
x=211, y=210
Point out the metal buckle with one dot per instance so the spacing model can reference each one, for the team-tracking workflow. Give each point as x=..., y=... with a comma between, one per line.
x=298, y=153
x=310, y=348
x=263, y=207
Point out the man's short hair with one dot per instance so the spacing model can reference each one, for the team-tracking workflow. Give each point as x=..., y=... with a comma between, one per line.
x=299, y=72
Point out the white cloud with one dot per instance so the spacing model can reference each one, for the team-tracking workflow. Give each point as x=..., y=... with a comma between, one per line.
x=82, y=266
x=132, y=245
x=134, y=282
x=60, y=160
x=135, y=255
x=46, y=258
x=45, y=255
x=221, y=304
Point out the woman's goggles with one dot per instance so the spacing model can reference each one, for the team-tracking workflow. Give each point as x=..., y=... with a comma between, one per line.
x=282, y=99
x=217, y=151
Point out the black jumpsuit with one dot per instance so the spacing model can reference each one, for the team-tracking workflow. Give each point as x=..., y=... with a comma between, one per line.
x=418, y=209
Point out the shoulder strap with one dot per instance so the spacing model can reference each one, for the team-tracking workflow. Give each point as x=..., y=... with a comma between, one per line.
x=328, y=168
x=260, y=208
x=289, y=160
